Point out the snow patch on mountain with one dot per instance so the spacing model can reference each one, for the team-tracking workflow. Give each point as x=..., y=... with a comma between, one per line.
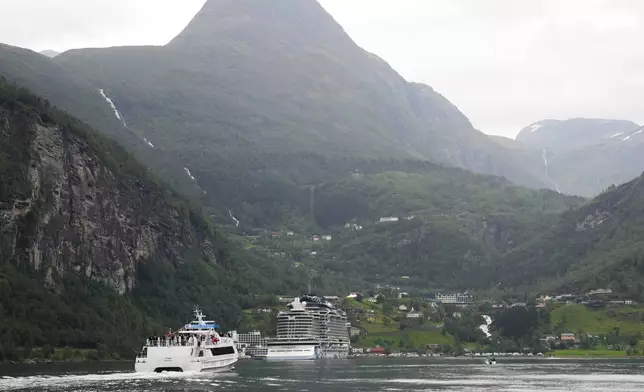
x=535, y=127
x=617, y=134
x=111, y=103
x=148, y=142
x=633, y=134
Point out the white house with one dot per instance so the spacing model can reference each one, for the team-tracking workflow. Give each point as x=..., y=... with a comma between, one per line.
x=413, y=314
x=290, y=233
x=374, y=299
x=388, y=219
x=402, y=307
x=458, y=298
x=353, y=295
x=327, y=237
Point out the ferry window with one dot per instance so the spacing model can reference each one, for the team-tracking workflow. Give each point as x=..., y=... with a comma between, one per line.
x=222, y=350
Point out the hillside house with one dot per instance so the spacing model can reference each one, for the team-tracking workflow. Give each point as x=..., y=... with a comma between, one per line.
x=403, y=308
x=315, y=238
x=327, y=237
x=413, y=314
x=567, y=337
x=354, y=331
x=457, y=298
x=378, y=350
x=388, y=219
x=290, y=233
x=599, y=292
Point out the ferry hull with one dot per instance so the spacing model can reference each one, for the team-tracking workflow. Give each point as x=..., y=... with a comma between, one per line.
x=178, y=359
x=187, y=365
x=286, y=353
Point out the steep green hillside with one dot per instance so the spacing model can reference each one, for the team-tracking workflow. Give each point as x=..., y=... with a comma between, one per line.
x=63, y=88
x=452, y=224
x=623, y=321
x=94, y=252
x=598, y=245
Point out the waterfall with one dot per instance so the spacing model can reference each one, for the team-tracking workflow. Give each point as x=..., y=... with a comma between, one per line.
x=233, y=218
x=111, y=103
x=544, y=155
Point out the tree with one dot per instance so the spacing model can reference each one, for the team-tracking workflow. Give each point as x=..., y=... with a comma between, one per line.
x=47, y=351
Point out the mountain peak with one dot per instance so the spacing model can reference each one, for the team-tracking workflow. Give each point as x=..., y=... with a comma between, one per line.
x=573, y=133
x=248, y=20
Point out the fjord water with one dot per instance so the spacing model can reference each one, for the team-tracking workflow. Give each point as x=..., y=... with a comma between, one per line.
x=372, y=374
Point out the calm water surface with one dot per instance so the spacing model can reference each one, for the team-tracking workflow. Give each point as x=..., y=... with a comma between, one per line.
x=347, y=375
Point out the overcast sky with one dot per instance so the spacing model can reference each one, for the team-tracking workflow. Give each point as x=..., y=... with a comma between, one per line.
x=504, y=63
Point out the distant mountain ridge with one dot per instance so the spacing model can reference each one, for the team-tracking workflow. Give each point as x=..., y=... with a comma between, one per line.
x=586, y=156
x=573, y=133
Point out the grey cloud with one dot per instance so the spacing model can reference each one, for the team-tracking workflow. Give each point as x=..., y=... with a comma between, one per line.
x=505, y=63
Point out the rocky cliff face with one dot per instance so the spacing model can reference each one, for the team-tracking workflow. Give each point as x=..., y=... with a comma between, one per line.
x=68, y=212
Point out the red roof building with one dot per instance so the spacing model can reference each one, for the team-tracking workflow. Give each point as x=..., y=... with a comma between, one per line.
x=378, y=350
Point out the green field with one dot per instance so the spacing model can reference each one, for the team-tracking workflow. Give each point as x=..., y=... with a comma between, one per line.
x=419, y=339
x=590, y=353
x=603, y=321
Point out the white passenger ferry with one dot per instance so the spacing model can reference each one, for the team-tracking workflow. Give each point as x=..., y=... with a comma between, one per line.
x=311, y=328
x=197, y=347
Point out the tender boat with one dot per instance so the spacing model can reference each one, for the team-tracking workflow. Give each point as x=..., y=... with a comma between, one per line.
x=197, y=347
x=490, y=361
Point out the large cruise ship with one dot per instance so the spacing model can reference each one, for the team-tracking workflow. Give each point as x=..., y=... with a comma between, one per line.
x=310, y=328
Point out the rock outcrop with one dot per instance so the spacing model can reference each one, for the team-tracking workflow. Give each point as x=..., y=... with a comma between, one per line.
x=74, y=209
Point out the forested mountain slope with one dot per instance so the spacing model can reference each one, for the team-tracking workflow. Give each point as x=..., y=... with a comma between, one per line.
x=598, y=245
x=452, y=225
x=88, y=237
x=255, y=97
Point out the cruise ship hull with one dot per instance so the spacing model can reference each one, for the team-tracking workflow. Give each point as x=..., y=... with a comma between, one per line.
x=306, y=352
